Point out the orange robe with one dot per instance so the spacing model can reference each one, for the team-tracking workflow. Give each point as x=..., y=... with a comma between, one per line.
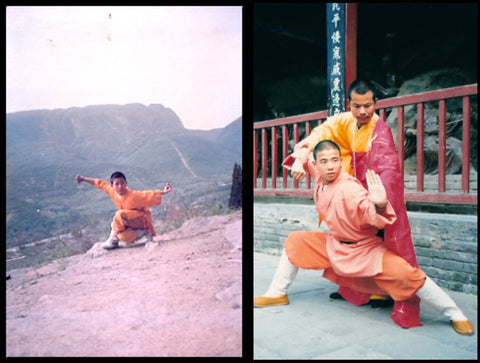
x=134, y=200
x=371, y=147
x=364, y=263
x=353, y=219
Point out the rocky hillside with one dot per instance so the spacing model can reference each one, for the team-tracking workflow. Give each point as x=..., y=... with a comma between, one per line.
x=45, y=149
x=176, y=297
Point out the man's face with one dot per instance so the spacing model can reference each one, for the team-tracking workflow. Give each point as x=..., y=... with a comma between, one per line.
x=329, y=164
x=120, y=185
x=362, y=107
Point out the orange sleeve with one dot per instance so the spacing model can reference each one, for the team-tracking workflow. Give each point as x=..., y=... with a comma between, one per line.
x=102, y=184
x=105, y=186
x=303, y=149
x=360, y=211
x=335, y=128
x=108, y=189
x=145, y=198
x=327, y=130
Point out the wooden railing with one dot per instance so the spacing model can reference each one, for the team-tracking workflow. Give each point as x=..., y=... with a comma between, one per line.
x=267, y=133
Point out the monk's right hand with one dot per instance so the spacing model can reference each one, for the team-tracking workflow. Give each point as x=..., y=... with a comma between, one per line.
x=79, y=178
x=297, y=170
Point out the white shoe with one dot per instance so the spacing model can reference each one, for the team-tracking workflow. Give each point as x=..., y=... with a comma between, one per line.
x=125, y=244
x=111, y=242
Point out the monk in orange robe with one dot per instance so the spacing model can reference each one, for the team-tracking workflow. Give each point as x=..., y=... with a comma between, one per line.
x=366, y=142
x=133, y=219
x=352, y=254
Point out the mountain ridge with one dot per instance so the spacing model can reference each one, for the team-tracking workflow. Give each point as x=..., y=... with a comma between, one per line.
x=45, y=149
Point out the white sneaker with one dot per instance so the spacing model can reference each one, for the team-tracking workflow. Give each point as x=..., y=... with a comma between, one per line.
x=140, y=234
x=124, y=244
x=111, y=242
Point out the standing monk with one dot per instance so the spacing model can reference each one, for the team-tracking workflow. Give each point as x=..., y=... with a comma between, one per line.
x=133, y=219
x=352, y=254
x=366, y=142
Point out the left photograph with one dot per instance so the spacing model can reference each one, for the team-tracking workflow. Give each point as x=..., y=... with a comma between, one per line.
x=124, y=181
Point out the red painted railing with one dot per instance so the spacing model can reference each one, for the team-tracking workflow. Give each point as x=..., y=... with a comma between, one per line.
x=266, y=131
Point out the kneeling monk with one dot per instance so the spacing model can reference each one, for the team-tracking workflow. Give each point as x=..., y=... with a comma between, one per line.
x=133, y=219
x=352, y=254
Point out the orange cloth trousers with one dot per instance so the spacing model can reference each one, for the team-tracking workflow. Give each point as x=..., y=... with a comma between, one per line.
x=399, y=279
x=126, y=222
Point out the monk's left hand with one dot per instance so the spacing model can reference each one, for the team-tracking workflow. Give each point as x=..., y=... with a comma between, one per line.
x=167, y=188
x=376, y=191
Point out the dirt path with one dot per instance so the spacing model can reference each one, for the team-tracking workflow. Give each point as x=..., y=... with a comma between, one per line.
x=183, y=159
x=179, y=296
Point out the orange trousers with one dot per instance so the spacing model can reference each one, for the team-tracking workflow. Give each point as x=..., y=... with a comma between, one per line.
x=399, y=279
x=126, y=222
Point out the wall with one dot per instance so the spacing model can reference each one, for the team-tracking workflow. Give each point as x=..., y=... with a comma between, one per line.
x=445, y=244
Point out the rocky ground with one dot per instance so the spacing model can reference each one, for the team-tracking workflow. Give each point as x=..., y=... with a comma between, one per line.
x=178, y=296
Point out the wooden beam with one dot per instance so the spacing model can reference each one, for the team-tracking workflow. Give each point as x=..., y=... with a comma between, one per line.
x=351, y=25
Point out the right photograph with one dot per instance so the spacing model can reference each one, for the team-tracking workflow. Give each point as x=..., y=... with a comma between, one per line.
x=365, y=181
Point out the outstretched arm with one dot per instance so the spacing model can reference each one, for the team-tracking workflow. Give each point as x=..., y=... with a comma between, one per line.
x=302, y=150
x=80, y=179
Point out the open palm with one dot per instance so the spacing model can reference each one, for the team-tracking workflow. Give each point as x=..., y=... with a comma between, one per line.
x=376, y=191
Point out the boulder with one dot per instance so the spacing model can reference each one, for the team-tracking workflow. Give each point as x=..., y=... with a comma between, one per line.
x=429, y=81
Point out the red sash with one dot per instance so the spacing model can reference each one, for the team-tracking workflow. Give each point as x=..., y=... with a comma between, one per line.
x=383, y=159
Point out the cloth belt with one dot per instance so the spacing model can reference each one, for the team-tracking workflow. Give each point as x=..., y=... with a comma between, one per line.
x=380, y=234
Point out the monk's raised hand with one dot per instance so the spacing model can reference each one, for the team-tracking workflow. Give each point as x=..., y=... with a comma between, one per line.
x=376, y=191
x=297, y=170
x=167, y=189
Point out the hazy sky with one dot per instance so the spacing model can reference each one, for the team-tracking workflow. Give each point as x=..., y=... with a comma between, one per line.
x=186, y=58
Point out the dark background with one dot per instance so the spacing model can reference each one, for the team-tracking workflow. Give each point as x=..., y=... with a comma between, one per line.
x=395, y=42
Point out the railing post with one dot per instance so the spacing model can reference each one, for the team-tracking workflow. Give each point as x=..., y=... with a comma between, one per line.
x=308, y=185
x=274, y=158
x=296, y=137
x=466, y=145
x=420, y=146
x=285, y=154
x=383, y=114
x=442, y=142
x=264, y=159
